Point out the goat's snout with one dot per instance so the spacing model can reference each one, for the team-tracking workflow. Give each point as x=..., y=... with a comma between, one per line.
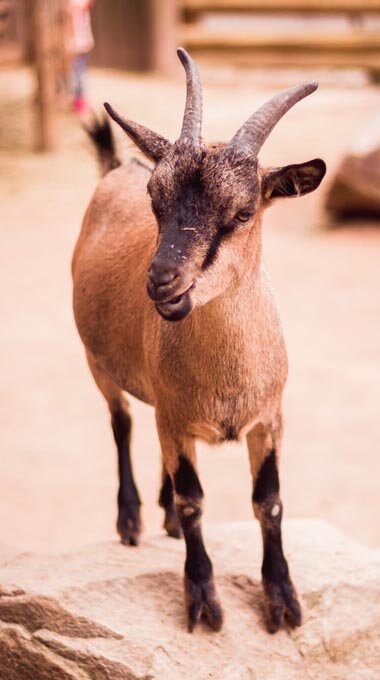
x=162, y=272
x=163, y=280
x=169, y=286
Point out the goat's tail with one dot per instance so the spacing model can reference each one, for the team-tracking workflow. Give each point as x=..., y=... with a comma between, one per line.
x=100, y=133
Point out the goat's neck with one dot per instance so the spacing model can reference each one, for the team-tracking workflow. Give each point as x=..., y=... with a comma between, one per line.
x=231, y=313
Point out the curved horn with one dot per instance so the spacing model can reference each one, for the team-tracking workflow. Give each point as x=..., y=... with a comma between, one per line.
x=255, y=131
x=153, y=145
x=192, y=117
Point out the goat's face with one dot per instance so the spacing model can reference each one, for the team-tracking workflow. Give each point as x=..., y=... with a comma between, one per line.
x=208, y=200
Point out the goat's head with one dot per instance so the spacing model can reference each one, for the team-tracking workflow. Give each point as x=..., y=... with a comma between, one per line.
x=208, y=199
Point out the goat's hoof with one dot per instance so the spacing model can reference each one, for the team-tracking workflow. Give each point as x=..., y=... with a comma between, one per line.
x=202, y=602
x=172, y=524
x=281, y=605
x=129, y=526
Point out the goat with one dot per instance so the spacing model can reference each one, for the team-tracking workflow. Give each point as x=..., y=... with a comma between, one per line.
x=205, y=346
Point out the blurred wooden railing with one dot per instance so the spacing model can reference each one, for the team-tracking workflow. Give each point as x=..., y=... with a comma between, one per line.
x=143, y=34
x=199, y=7
x=356, y=46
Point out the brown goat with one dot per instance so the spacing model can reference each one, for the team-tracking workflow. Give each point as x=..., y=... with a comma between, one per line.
x=219, y=371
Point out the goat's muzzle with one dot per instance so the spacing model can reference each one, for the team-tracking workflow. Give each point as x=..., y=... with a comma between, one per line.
x=170, y=290
x=176, y=308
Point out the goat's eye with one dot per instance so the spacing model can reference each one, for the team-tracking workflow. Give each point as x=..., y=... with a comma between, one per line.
x=243, y=215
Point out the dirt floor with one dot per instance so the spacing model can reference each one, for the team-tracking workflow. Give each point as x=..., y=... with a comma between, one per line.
x=58, y=468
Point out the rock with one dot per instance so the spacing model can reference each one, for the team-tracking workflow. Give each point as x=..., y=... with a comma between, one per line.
x=115, y=612
x=355, y=189
x=354, y=192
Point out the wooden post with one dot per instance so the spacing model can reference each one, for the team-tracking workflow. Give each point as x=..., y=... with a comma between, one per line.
x=45, y=132
x=163, y=29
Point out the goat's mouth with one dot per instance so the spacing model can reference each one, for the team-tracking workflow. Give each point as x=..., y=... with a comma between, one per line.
x=176, y=308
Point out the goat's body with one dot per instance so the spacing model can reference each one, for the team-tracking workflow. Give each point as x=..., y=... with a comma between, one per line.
x=217, y=369
x=174, y=307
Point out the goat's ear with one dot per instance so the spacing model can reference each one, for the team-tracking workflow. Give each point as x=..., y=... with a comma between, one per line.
x=293, y=180
x=150, y=143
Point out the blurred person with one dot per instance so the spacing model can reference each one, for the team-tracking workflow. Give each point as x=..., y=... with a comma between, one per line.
x=81, y=42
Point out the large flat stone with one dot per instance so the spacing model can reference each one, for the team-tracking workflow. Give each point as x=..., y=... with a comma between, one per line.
x=110, y=611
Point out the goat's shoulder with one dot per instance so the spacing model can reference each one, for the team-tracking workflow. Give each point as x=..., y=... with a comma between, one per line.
x=124, y=186
x=118, y=220
x=119, y=206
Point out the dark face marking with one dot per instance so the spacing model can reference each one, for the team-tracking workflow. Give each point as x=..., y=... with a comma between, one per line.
x=212, y=250
x=200, y=197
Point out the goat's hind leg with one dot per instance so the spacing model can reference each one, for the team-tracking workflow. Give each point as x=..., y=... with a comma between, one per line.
x=128, y=500
x=281, y=603
x=166, y=501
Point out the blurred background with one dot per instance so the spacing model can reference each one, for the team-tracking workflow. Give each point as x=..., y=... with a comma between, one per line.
x=61, y=59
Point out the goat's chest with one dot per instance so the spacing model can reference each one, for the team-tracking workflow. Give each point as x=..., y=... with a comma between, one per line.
x=222, y=390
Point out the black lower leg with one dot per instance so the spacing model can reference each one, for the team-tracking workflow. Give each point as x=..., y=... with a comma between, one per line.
x=128, y=521
x=280, y=597
x=200, y=592
x=166, y=501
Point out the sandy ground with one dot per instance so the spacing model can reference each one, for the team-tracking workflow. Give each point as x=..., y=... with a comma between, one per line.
x=58, y=464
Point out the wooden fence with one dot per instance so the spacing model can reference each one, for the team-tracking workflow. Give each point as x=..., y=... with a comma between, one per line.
x=143, y=35
x=356, y=46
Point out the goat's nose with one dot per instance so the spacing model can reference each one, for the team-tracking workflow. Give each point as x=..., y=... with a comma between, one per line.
x=161, y=273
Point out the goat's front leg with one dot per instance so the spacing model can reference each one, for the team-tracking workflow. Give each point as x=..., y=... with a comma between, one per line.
x=200, y=595
x=281, y=602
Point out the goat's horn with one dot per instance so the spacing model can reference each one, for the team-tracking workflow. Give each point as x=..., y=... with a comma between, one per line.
x=150, y=143
x=192, y=117
x=257, y=128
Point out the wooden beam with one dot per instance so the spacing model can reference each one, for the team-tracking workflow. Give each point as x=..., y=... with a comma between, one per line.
x=45, y=124
x=198, y=7
x=278, y=49
x=163, y=22
x=268, y=58
x=351, y=41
